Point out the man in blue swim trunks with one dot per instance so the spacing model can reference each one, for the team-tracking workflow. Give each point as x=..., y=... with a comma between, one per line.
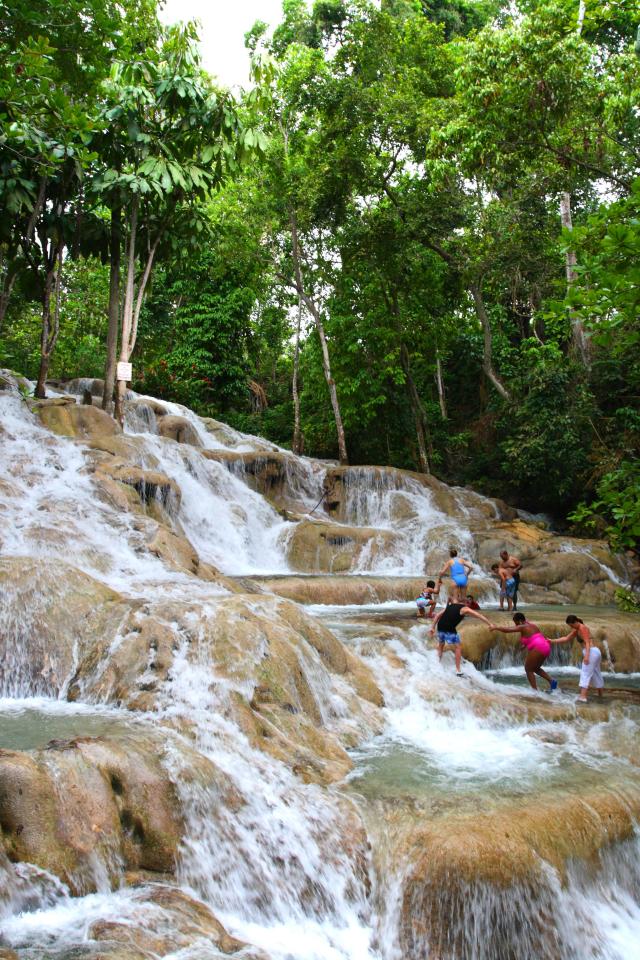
x=446, y=623
x=459, y=571
x=513, y=567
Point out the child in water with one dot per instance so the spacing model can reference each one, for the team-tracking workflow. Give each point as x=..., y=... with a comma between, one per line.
x=591, y=656
x=427, y=599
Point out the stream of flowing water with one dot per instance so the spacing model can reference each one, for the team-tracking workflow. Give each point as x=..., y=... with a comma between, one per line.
x=299, y=870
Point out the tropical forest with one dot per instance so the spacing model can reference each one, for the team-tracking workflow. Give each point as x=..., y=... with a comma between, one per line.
x=299, y=377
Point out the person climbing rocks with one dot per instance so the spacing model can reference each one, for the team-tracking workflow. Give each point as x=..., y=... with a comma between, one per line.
x=507, y=584
x=446, y=624
x=538, y=649
x=427, y=600
x=459, y=571
x=514, y=566
x=471, y=602
x=591, y=657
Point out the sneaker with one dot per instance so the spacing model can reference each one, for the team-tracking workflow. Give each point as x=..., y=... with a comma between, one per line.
x=554, y=686
x=580, y=700
x=459, y=674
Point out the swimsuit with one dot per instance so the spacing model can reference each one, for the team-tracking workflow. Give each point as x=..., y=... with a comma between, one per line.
x=537, y=642
x=510, y=587
x=425, y=600
x=446, y=637
x=458, y=574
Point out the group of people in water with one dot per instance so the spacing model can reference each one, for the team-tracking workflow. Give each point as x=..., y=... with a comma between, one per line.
x=460, y=604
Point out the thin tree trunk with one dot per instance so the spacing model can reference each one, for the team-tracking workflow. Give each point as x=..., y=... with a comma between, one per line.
x=579, y=342
x=326, y=363
x=114, y=309
x=127, y=310
x=297, y=435
x=142, y=289
x=326, y=366
x=417, y=408
x=50, y=332
x=440, y=385
x=487, y=359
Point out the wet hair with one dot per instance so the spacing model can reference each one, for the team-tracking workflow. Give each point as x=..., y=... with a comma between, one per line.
x=519, y=617
x=431, y=583
x=571, y=619
x=504, y=553
x=453, y=553
x=469, y=596
x=495, y=566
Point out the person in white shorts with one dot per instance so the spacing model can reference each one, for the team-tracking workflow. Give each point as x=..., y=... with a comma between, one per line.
x=590, y=673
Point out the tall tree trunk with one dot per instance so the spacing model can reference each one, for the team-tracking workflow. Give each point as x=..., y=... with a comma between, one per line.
x=50, y=330
x=440, y=385
x=579, y=342
x=317, y=318
x=114, y=309
x=127, y=309
x=297, y=435
x=417, y=408
x=487, y=358
x=133, y=302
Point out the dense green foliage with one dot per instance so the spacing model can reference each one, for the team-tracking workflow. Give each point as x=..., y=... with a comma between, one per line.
x=392, y=184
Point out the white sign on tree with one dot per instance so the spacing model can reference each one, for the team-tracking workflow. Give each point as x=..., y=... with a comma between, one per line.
x=124, y=371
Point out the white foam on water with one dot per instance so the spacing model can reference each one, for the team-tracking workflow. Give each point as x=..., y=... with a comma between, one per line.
x=428, y=711
x=308, y=940
x=454, y=738
x=229, y=524
x=50, y=509
x=273, y=866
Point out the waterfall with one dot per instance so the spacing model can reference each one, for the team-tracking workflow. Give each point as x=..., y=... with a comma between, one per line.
x=316, y=757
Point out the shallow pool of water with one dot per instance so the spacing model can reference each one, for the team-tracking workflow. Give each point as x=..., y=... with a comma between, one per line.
x=32, y=723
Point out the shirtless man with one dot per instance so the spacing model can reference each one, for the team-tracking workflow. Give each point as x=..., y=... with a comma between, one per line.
x=514, y=566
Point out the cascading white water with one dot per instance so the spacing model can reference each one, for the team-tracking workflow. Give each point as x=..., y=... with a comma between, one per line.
x=435, y=744
x=284, y=863
x=51, y=508
x=423, y=532
x=273, y=866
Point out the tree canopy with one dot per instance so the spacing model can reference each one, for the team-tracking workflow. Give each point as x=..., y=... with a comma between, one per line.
x=414, y=239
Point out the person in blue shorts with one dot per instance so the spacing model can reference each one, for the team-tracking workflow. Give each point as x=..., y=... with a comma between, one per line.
x=459, y=571
x=446, y=623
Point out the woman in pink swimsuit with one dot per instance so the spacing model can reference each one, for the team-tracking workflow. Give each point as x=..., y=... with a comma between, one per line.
x=537, y=645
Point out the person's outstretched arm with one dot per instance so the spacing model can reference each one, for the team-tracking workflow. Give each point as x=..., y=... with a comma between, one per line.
x=570, y=636
x=506, y=629
x=477, y=615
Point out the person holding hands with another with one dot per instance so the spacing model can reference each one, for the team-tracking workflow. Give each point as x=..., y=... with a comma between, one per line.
x=591, y=657
x=446, y=624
